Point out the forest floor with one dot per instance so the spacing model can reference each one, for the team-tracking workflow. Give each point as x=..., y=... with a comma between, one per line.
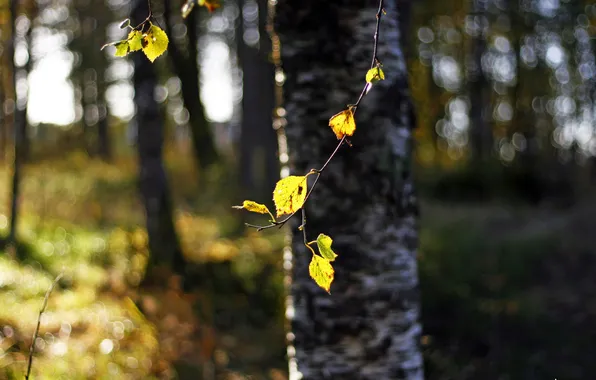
x=507, y=292
x=82, y=217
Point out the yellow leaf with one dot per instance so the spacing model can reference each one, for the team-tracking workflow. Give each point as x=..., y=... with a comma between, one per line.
x=343, y=123
x=122, y=48
x=375, y=74
x=253, y=207
x=135, y=40
x=155, y=42
x=324, y=244
x=289, y=194
x=321, y=271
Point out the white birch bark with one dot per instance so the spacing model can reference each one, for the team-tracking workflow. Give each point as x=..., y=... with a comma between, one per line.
x=368, y=328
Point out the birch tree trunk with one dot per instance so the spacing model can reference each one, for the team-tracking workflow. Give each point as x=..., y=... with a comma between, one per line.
x=368, y=328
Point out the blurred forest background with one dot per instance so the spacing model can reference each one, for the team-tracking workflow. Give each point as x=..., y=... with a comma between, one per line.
x=505, y=93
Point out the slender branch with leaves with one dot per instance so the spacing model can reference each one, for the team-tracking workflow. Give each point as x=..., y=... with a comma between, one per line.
x=148, y=36
x=292, y=192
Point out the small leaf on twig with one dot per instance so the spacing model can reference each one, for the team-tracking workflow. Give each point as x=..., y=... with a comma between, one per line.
x=122, y=48
x=343, y=123
x=324, y=244
x=135, y=40
x=322, y=272
x=375, y=74
x=155, y=42
x=254, y=207
x=289, y=194
x=125, y=23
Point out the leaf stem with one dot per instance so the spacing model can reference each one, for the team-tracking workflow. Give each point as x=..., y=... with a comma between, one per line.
x=271, y=215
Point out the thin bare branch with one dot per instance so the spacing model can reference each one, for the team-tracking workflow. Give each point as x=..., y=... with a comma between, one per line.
x=41, y=311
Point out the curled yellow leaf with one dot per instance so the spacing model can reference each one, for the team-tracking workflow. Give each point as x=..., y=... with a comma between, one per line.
x=324, y=244
x=289, y=194
x=322, y=272
x=254, y=207
x=343, y=123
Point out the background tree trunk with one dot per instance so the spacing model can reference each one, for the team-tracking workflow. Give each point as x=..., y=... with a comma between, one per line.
x=258, y=164
x=104, y=142
x=18, y=130
x=481, y=138
x=368, y=328
x=164, y=246
x=186, y=67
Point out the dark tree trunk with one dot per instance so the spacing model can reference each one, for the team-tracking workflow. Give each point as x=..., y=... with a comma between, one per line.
x=481, y=137
x=103, y=133
x=258, y=164
x=368, y=328
x=104, y=143
x=164, y=246
x=3, y=122
x=186, y=68
x=18, y=130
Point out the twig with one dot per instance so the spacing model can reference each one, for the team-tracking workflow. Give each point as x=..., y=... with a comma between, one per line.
x=41, y=311
x=318, y=172
x=376, y=36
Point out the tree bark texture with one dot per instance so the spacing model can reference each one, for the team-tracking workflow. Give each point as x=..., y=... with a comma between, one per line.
x=163, y=241
x=368, y=328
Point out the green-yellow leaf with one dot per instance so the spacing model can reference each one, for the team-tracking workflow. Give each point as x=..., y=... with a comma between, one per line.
x=135, y=40
x=321, y=271
x=289, y=194
x=122, y=48
x=343, y=123
x=374, y=75
x=324, y=244
x=155, y=42
x=253, y=207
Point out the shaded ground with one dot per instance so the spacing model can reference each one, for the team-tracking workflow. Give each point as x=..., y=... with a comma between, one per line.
x=509, y=293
